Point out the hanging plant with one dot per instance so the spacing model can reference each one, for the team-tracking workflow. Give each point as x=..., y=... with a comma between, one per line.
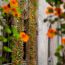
x=11, y=35
x=56, y=14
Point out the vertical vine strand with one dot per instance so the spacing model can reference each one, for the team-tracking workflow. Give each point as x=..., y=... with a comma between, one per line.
x=32, y=32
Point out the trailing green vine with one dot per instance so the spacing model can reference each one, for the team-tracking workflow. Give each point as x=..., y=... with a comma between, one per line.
x=10, y=34
x=56, y=14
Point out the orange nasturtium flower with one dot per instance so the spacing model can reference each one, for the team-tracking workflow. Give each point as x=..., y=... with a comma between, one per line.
x=57, y=11
x=24, y=37
x=6, y=8
x=49, y=10
x=63, y=40
x=15, y=12
x=13, y=3
x=51, y=33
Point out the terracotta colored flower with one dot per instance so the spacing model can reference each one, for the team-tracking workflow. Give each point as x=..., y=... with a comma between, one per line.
x=13, y=3
x=6, y=8
x=49, y=10
x=24, y=37
x=15, y=12
x=51, y=33
x=63, y=40
x=57, y=11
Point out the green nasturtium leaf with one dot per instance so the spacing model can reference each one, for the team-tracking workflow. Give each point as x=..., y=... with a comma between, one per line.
x=59, y=48
x=63, y=26
x=63, y=32
x=47, y=0
x=15, y=32
x=57, y=2
x=3, y=39
x=2, y=58
x=51, y=0
x=16, y=36
x=7, y=29
x=7, y=49
x=3, y=14
x=57, y=54
x=1, y=9
x=19, y=10
x=6, y=0
x=59, y=63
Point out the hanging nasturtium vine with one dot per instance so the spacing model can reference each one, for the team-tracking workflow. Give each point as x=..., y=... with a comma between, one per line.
x=8, y=12
x=56, y=14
